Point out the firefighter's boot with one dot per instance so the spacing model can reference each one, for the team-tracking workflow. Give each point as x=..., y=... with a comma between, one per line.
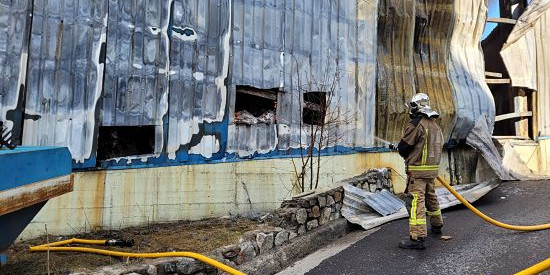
x=412, y=244
x=436, y=230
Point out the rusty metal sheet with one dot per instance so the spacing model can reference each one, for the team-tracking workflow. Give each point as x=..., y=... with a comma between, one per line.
x=433, y=29
x=395, y=74
x=30, y=194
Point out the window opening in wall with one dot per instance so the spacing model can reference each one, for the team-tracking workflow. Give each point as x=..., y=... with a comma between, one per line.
x=315, y=108
x=124, y=141
x=253, y=105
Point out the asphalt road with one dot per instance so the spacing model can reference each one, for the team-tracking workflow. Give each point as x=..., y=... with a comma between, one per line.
x=476, y=247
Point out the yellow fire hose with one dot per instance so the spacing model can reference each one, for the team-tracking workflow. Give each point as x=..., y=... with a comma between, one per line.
x=55, y=246
x=536, y=269
x=487, y=218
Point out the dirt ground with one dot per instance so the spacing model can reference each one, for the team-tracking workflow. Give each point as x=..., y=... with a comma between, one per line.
x=196, y=236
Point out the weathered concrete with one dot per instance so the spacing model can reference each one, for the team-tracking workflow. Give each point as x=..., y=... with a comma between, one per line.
x=108, y=199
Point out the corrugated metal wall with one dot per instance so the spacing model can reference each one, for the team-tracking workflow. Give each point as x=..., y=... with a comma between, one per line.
x=199, y=65
x=472, y=97
x=135, y=84
x=176, y=65
x=433, y=29
x=300, y=43
x=15, y=21
x=395, y=81
x=543, y=73
x=65, y=74
x=431, y=47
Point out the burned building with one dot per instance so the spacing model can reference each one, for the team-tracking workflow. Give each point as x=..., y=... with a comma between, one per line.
x=193, y=109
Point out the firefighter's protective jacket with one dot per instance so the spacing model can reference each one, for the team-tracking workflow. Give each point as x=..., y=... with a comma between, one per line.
x=421, y=147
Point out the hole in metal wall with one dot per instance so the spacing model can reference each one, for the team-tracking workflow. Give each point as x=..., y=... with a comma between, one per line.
x=315, y=108
x=253, y=105
x=124, y=141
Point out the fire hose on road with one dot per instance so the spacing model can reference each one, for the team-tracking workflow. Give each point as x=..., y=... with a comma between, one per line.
x=536, y=269
x=489, y=219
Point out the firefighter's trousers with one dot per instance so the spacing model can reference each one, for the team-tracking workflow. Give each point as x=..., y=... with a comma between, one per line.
x=421, y=200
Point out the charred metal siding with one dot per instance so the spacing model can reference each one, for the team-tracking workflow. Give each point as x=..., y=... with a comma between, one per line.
x=135, y=86
x=65, y=74
x=15, y=23
x=395, y=75
x=199, y=65
x=471, y=95
x=431, y=47
x=433, y=29
x=176, y=65
x=294, y=42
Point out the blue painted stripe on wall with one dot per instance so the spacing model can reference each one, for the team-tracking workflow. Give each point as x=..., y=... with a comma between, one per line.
x=163, y=161
x=26, y=165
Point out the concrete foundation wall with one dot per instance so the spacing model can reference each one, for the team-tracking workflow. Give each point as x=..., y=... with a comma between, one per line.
x=116, y=199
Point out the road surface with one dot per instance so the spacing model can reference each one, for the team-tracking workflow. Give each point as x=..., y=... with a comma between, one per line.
x=476, y=247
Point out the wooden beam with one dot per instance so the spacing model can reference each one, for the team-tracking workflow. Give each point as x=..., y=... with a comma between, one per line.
x=512, y=115
x=510, y=137
x=535, y=108
x=264, y=94
x=493, y=74
x=497, y=81
x=501, y=20
x=520, y=106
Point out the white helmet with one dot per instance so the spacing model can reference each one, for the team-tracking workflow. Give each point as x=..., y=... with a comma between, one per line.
x=420, y=103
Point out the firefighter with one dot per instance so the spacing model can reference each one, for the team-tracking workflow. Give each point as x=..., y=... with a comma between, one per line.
x=421, y=148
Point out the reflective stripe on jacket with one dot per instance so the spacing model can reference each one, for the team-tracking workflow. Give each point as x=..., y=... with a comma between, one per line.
x=421, y=147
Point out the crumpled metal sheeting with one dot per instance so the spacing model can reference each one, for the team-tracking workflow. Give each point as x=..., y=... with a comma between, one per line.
x=527, y=58
x=481, y=139
x=395, y=74
x=14, y=34
x=358, y=200
x=360, y=214
x=471, y=192
x=354, y=200
x=466, y=66
x=384, y=202
x=433, y=29
x=431, y=47
x=65, y=74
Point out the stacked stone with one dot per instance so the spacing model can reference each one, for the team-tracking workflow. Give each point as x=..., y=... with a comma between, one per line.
x=374, y=180
x=309, y=212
